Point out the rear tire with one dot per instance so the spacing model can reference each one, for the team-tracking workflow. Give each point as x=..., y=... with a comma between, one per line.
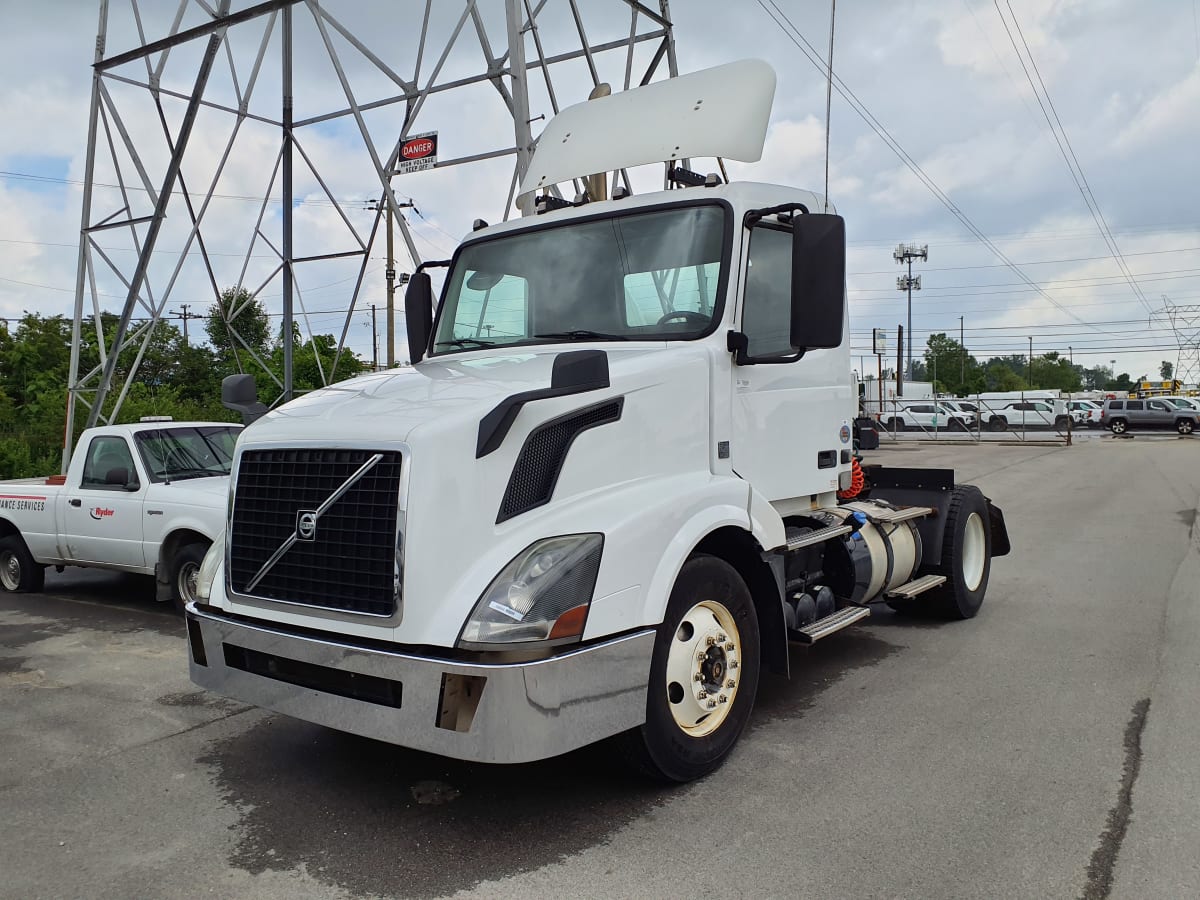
x=683, y=737
x=19, y=573
x=184, y=569
x=966, y=555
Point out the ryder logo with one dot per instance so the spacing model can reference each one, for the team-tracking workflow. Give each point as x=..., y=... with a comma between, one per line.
x=99, y=512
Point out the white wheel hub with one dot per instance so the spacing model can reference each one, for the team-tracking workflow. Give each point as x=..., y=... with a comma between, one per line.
x=703, y=668
x=10, y=570
x=974, y=552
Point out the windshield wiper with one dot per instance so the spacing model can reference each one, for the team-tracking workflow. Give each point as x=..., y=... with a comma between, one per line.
x=583, y=334
x=463, y=342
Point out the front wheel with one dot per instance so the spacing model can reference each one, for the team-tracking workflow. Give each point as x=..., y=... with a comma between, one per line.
x=703, y=676
x=1185, y=426
x=997, y=423
x=19, y=573
x=184, y=569
x=1119, y=426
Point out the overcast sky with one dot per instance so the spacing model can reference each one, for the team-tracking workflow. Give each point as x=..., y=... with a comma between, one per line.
x=942, y=78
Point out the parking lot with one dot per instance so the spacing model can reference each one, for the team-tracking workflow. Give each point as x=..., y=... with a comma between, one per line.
x=1044, y=749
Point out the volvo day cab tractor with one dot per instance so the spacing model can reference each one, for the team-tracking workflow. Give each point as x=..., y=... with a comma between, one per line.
x=605, y=496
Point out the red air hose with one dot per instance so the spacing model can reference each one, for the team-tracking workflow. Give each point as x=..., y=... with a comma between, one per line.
x=856, y=481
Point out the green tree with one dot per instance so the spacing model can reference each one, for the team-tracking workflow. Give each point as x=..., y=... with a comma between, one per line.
x=239, y=312
x=1166, y=370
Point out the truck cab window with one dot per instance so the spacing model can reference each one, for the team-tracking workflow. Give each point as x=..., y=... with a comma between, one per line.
x=767, y=307
x=492, y=306
x=109, y=465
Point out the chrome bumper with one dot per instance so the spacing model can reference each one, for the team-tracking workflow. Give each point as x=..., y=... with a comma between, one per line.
x=526, y=711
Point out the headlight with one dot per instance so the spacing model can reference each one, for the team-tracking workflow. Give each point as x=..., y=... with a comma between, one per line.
x=542, y=594
x=208, y=568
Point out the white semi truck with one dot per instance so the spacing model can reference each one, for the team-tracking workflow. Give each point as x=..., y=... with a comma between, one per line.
x=148, y=497
x=605, y=496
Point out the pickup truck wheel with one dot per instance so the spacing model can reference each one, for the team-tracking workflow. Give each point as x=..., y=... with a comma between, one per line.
x=997, y=423
x=894, y=425
x=18, y=571
x=703, y=676
x=966, y=555
x=1185, y=426
x=184, y=569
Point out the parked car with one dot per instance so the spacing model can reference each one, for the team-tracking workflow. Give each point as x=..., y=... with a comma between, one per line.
x=1027, y=414
x=1184, y=402
x=964, y=409
x=926, y=415
x=1082, y=412
x=1157, y=412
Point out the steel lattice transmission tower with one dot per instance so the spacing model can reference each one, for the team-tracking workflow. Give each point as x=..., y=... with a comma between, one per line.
x=283, y=108
x=1185, y=322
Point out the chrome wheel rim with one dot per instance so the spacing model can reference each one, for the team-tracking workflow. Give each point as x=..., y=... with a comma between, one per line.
x=974, y=553
x=186, y=581
x=703, y=667
x=10, y=570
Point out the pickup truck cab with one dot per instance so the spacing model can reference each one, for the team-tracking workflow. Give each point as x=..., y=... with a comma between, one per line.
x=147, y=497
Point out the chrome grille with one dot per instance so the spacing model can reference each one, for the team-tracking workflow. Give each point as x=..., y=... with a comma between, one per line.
x=350, y=563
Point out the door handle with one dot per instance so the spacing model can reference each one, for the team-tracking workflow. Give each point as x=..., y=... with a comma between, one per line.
x=75, y=501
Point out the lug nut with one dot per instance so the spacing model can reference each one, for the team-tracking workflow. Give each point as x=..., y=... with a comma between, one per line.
x=697, y=677
x=722, y=638
x=733, y=664
x=703, y=694
x=730, y=683
x=729, y=646
x=710, y=640
x=723, y=699
x=712, y=704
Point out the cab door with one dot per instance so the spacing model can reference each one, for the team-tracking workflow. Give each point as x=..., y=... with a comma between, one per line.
x=103, y=517
x=791, y=412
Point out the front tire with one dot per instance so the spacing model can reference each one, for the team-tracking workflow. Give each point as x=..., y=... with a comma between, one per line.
x=19, y=573
x=997, y=423
x=1119, y=426
x=184, y=569
x=703, y=676
x=1185, y=426
x=966, y=555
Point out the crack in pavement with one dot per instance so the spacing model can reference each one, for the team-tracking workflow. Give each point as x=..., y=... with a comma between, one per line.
x=1104, y=858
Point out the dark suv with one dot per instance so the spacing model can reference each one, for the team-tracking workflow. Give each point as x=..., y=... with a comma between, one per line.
x=1121, y=415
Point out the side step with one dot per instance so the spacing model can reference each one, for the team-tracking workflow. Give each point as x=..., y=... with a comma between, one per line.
x=824, y=627
x=901, y=515
x=816, y=537
x=917, y=586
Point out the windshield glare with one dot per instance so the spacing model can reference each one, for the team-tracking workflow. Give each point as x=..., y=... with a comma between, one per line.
x=174, y=454
x=640, y=276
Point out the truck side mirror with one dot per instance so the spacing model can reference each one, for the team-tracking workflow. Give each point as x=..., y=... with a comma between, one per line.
x=240, y=393
x=818, y=280
x=418, y=314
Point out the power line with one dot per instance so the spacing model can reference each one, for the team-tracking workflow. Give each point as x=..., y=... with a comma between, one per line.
x=1068, y=152
x=802, y=43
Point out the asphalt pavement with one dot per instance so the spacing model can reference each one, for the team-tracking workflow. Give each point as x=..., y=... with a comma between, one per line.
x=1045, y=749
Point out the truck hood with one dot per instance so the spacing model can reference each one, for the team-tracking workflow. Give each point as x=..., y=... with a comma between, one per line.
x=388, y=406
x=206, y=492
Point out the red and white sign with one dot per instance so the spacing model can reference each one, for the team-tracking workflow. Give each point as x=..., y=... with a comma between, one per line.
x=418, y=153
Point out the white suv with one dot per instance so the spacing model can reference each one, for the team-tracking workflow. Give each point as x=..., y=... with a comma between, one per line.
x=926, y=415
x=1027, y=414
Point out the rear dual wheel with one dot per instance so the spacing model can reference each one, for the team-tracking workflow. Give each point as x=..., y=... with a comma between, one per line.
x=703, y=675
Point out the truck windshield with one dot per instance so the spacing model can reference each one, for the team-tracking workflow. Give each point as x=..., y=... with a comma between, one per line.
x=175, y=454
x=640, y=276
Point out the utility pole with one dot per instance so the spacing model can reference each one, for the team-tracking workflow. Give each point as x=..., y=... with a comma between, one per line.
x=390, y=272
x=1029, y=375
x=900, y=363
x=374, y=341
x=906, y=253
x=1071, y=353
x=962, y=352
x=185, y=315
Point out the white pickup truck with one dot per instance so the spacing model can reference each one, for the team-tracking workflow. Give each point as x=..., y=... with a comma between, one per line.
x=148, y=497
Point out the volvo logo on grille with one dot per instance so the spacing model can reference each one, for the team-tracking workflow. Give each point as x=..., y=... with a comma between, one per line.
x=306, y=525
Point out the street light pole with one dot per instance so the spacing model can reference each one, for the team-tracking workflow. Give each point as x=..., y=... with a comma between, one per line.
x=1029, y=376
x=906, y=253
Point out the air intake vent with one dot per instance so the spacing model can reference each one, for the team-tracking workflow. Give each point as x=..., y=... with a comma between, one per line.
x=541, y=459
